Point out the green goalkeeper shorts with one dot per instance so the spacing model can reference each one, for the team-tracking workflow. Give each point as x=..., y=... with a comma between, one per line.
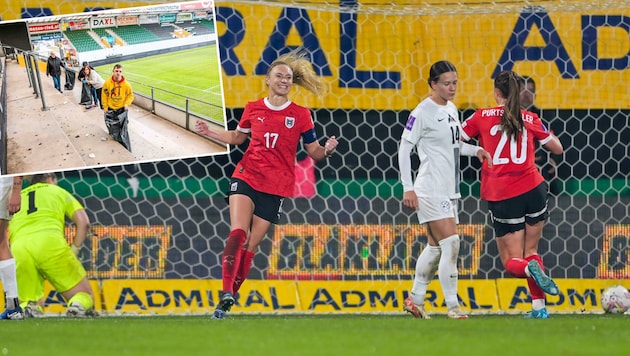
x=45, y=257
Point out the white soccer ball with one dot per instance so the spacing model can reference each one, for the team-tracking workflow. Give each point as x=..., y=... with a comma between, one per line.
x=616, y=300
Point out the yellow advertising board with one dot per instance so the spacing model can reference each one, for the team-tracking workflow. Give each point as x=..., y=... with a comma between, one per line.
x=194, y=296
x=161, y=297
x=381, y=61
x=55, y=303
x=388, y=296
x=378, y=57
x=576, y=295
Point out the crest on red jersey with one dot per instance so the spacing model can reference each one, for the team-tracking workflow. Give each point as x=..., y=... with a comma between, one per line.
x=289, y=121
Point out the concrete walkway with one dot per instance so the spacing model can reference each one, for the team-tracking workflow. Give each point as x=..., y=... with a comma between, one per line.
x=66, y=136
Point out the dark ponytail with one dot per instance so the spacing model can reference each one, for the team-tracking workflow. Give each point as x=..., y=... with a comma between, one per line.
x=508, y=83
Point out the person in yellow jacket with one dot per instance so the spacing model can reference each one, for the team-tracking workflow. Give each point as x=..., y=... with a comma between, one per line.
x=117, y=93
x=116, y=98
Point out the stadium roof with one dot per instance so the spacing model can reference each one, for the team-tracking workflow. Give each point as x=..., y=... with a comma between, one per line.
x=132, y=11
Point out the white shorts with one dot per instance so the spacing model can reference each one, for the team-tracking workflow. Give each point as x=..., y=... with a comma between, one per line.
x=433, y=209
x=6, y=185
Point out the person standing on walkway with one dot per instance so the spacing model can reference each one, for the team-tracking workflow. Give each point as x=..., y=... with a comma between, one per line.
x=116, y=98
x=95, y=83
x=53, y=69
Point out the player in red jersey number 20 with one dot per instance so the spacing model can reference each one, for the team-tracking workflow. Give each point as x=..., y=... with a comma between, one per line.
x=515, y=190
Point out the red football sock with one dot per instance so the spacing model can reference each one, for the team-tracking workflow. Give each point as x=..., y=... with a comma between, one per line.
x=232, y=258
x=247, y=257
x=516, y=267
x=534, y=289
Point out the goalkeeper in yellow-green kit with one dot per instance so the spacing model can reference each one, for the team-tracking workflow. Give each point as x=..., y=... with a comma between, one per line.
x=41, y=251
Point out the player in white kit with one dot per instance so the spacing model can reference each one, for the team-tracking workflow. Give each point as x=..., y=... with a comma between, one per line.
x=434, y=129
x=10, y=203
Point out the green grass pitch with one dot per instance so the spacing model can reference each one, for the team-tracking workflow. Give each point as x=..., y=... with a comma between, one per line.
x=318, y=335
x=192, y=73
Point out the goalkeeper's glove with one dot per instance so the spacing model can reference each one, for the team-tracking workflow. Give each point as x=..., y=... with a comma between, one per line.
x=75, y=249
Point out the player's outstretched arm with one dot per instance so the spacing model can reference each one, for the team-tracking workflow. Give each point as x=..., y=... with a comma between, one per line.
x=82, y=222
x=230, y=137
x=15, y=200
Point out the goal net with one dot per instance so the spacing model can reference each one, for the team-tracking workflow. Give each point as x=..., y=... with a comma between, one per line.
x=169, y=220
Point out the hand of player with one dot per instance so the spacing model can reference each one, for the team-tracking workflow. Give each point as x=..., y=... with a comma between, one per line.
x=410, y=200
x=484, y=155
x=15, y=199
x=330, y=146
x=75, y=249
x=202, y=128
x=14, y=205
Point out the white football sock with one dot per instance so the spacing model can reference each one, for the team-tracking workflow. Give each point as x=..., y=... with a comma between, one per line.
x=538, y=304
x=448, y=270
x=8, y=278
x=426, y=265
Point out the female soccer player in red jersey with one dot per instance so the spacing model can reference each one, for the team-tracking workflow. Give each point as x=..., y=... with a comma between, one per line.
x=266, y=173
x=515, y=190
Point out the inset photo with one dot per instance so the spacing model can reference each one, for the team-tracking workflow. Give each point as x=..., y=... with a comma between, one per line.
x=109, y=87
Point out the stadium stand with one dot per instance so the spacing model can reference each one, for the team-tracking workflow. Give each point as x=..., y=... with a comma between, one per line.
x=196, y=27
x=82, y=41
x=136, y=34
x=203, y=27
x=162, y=31
x=104, y=33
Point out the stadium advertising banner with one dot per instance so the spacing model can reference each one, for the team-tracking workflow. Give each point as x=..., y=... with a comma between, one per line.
x=119, y=296
x=82, y=24
x=147, y=19
x=14, y=9
x=576, y=295
x=186, y=16
x=615, y=255
x=199, y=15
x=319, y=251
x=125, y=251
x=167, y=18
x=126, y=20
x=46, y=37
x=334, y=252
x=43, y=28
x=360, y=53
x=98, y=22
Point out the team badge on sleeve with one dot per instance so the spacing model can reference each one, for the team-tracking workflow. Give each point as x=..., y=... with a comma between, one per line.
x=544, y=127
x=410, y=122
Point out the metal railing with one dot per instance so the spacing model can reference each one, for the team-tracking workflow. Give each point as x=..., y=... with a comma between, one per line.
x=178, y=108
x=3, y=115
